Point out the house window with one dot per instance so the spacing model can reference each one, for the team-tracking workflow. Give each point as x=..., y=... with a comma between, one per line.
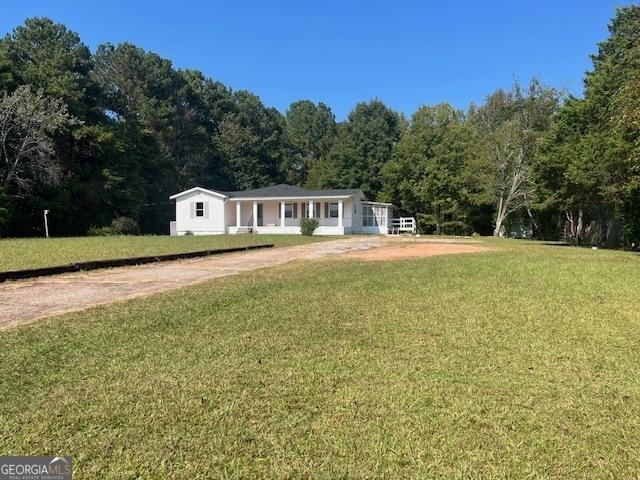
x=199, y=209
x=333, y=210
x=330, y=210
x=290, y=210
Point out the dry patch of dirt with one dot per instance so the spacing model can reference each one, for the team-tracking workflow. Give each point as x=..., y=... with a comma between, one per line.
x=401, y=251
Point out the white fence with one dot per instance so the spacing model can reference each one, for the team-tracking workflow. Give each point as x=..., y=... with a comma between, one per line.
x=403, y=224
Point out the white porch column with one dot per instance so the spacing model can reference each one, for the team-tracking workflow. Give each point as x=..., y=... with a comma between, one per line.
x=282, y=214
x=238, y=219
x=340, y=204
x=255, y=214
x=312, y=206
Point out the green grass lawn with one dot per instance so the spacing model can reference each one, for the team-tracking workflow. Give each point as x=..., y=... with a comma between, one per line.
x=519, y=363
x=22, y=253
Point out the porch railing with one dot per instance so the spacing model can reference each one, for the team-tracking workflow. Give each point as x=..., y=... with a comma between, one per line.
x=403, y=224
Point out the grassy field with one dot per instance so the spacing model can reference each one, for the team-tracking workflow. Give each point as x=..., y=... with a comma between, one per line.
x=22, y=253
x=519, y=363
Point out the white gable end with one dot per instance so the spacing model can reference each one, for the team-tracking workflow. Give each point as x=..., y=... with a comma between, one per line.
x=200, y=212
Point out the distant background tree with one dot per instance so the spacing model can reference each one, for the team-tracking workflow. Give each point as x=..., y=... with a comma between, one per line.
x=47, y=56
x=251, y=137
x=363, y=145
x=311, y=130
x=589, y=163
x=426, y=172
x=510, y=125
x=28, y=122
x=145, y=130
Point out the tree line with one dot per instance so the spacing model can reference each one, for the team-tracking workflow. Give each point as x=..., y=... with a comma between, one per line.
x=98, y=136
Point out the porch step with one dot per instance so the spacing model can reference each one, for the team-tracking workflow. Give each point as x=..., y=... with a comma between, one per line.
x=244, y=230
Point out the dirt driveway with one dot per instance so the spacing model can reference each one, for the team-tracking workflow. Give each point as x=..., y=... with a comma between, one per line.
x=28, y=300
x=400, y=250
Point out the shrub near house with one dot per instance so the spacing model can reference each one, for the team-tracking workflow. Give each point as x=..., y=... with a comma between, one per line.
x=308, y=226
x=119, y=226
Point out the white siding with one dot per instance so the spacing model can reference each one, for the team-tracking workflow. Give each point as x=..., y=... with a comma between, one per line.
x=356, y=210
x=213, y=221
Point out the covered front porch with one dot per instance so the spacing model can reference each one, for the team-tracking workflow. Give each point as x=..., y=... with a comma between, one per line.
x=275, y=216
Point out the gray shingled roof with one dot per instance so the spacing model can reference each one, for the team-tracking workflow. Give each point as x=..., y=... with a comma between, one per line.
x=284, y=190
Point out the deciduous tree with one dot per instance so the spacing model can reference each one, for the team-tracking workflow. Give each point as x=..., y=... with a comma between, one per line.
x=510, y=125
x=310, y=130
x=28, y=122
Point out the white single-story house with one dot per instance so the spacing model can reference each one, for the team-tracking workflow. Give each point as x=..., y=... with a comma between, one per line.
x=278, y=209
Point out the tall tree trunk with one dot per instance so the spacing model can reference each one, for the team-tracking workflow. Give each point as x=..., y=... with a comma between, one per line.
x=500, y=215
x=496, y=231
x=572, y=231
x=580, y=225
x=576, y=226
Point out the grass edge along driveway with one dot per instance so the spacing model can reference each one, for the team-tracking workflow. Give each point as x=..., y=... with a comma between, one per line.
x=26, y=253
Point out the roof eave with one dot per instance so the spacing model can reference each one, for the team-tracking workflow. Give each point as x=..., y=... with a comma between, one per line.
x=297, y=197
x=198, y=189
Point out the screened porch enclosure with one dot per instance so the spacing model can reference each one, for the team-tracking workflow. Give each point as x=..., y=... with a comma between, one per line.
x=376, y=217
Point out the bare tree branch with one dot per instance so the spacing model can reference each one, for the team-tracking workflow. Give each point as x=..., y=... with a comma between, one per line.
x=28, y=122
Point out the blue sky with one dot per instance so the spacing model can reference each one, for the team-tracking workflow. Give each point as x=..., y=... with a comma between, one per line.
x=406, y=53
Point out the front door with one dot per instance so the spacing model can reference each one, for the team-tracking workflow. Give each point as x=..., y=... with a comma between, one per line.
x=260, y=224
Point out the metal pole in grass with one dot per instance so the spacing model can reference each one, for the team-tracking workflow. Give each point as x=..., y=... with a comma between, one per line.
x=46, y=224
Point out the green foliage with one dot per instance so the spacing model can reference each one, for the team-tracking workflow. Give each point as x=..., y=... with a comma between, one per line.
x=47, y=55
x=510, y=126
x=251, y=138
x=147, y=130
x=308, y=226
x=427, y=172
x=119, y=226
x=427, y=223
x=28, y=122
x=310, y=130
x=125, y=226
x=586, y=168
x=107, y=231
x=363, y=145
x=455, y=228
x=631, y=213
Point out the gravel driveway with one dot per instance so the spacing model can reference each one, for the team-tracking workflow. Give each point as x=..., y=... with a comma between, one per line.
x=28, y=300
